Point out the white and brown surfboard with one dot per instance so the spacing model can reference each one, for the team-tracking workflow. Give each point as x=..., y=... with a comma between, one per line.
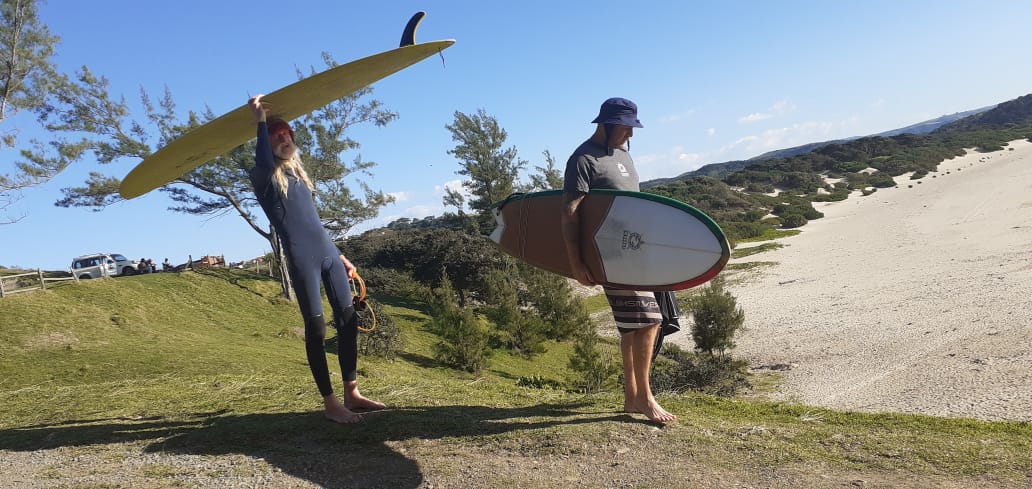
x=631, y=240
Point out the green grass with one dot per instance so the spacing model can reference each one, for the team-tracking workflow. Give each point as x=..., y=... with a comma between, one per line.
x=596, y=303
x=212, y=364
x=771, y=234
x=740, y=252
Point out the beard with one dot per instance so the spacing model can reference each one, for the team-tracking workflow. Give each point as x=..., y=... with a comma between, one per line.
x=284, y=151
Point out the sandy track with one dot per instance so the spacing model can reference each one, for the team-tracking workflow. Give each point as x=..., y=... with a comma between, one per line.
x=913, y=299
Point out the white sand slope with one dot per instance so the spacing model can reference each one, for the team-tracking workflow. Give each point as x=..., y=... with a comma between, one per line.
x=911, y=300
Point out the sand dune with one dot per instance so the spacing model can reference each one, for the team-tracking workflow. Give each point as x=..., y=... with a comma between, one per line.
x=913, y=299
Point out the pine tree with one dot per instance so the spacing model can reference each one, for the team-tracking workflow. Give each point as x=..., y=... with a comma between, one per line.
x=553, y=299
x=548, y=177
x=492, y=171
x=523, y=330
x=464, y=337
x=592, y=364
x=27, y=76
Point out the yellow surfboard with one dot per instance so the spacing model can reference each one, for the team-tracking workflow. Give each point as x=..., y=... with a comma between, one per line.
x=221, y=135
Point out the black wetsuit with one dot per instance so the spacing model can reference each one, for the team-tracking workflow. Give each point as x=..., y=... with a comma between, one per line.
x=312, y=258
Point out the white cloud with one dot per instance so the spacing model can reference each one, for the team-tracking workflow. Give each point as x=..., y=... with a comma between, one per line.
x=711, y=132
x=412, y=212
x=421, y=211
x=779, y=108
x=782, y=107
x=454, y=185
x=780, y=138
x=400, y=196
x=420, y=206
x=691, y=159
x=673, y=162
x=751, y=118
x=745, y=141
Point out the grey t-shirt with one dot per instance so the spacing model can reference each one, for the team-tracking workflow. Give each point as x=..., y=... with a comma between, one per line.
x=593, y=166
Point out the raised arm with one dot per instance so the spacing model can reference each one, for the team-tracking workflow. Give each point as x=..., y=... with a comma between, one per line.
x=263, y=157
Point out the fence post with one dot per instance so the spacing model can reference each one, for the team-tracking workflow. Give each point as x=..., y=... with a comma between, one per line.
x=1, y=287
x=42, y=283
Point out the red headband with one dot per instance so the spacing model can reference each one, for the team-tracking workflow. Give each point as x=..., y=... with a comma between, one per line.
x=280, y=125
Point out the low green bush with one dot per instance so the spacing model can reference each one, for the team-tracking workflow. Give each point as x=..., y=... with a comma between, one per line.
x=678, y=371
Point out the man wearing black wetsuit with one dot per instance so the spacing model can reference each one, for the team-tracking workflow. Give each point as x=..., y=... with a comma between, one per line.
x=285, y=194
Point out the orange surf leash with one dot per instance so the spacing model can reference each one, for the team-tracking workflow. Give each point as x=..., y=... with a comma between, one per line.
x=359, y=299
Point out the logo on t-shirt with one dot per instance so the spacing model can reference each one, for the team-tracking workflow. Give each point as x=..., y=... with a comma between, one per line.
x=623, y=170
x=631, y=241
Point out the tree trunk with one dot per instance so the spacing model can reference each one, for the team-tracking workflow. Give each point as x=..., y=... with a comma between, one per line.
x=281, y=260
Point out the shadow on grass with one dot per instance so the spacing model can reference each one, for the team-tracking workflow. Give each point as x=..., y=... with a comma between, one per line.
x=421, y=361
x=305, y=445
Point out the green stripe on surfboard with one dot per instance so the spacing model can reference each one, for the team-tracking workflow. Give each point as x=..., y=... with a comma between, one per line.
x=701, y=216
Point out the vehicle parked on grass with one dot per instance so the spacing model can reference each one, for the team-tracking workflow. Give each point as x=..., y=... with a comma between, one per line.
x=98, y=265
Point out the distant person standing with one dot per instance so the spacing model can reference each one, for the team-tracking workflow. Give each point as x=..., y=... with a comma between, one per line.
x=285, y=194
x=603, y=162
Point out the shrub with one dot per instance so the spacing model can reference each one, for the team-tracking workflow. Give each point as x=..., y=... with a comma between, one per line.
x=759, y=188
x=836, y=196
x=551, y=296
x=394, y=283
x=521, y=330
x=385, y=340
x=463, y=342
x=538, y=382
x=593, y=365
x=716, y=317
x=793, y=221
x=737, y=231
x=677, y=371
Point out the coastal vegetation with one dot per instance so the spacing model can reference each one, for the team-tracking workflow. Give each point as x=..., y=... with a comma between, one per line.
x=751, y=198
x=198, y=379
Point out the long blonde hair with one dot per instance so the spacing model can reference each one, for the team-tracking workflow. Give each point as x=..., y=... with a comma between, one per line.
x=294, y=167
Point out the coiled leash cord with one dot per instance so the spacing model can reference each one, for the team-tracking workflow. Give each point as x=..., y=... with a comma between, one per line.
x=359, y=299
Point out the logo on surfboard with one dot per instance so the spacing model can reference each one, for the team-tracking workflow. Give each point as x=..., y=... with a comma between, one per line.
x=631, y=240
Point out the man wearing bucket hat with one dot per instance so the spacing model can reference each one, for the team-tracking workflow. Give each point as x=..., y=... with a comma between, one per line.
x=603, y=162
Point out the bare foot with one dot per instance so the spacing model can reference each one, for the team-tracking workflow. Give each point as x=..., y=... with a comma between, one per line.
x=354, y=400
x=336, y=412
x=652, y=410
x=364, y=404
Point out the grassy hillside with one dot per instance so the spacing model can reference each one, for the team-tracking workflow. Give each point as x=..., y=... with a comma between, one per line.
x=199, y=380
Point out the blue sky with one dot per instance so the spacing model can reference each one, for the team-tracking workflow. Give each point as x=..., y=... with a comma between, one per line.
x=714, y=81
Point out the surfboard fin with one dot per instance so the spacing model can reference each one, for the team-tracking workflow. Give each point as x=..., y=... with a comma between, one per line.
x=408, y=38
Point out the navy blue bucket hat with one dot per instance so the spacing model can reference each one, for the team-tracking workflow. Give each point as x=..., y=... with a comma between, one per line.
x=618, y=111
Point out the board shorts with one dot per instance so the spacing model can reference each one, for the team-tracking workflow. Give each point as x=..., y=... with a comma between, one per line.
x=633, y=309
